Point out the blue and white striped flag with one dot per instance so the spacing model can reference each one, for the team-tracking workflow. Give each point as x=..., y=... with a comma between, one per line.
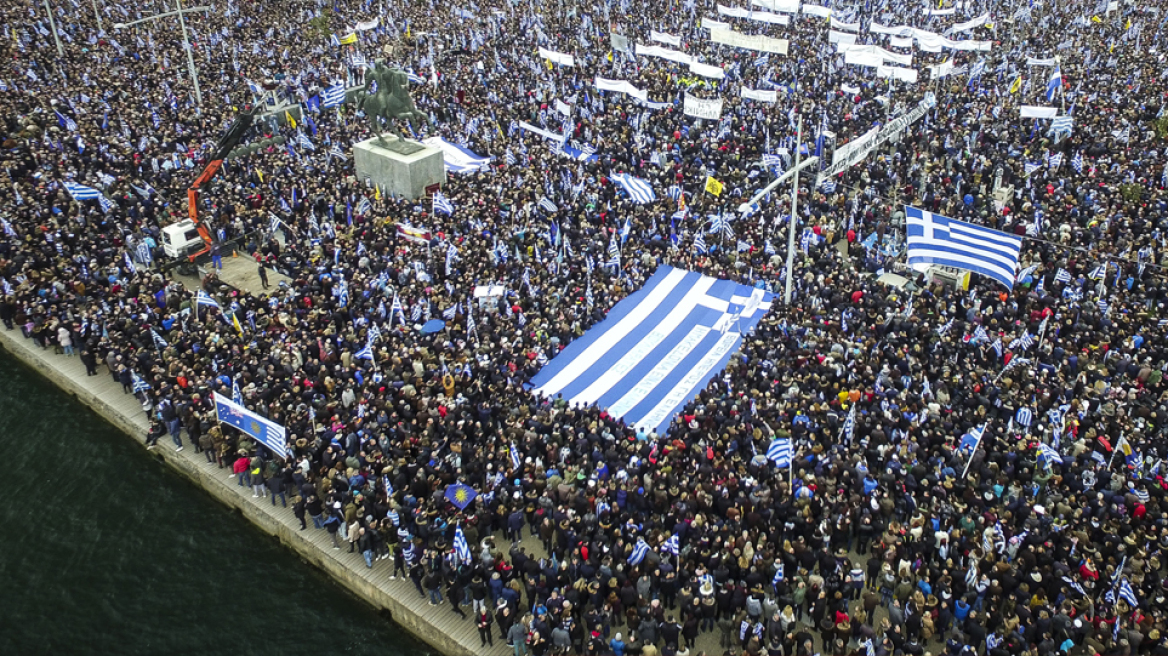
x=700, y=244
x=640, y=550
x=516, y=462
x=139, y=385
x=779, y=574
x=201, y=298
x=461, y=548
x=638, y=189
x=548, y=205
x=81, y=192
x=1024, y=416
x=442, y=204
x=333, y=96
x=935, y=239
x=671, y=546
x=781, y=452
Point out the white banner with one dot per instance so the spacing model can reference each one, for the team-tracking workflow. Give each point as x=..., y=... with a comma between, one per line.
x=765, y=96
x=837, y=24
x=903, y=30
x=878, y=53
x=941, y=70
x=621, y=86
x=557, y=57
x=551, y=136
x=767, y=17
x=929, y=41
x=706, y=70
x=674, y=41
x=620, y=43
x=760, y=16
x=970, y=24
x=366, y=25
x=941, y=12
x=664, y=53
x=1034, y=111
x=784, y=6
x=1031, y=61
x=850, y=90
x=749, y=41
x=563, y=107
x=865, y=144
x=849, y=150
x=897, y=73
x=900, y=42
x=840, y=37
x=816, y=10
x=861, y=57
x=701, y=108
x=711, y=24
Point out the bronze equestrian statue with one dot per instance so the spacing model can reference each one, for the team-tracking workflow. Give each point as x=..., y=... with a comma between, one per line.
x=390, y=100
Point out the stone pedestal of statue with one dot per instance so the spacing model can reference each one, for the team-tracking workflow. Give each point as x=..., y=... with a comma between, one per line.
x=399, y=166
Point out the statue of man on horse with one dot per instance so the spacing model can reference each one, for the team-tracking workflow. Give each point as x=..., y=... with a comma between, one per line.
x=389, y=100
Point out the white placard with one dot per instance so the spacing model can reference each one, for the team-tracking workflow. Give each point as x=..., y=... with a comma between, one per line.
x=702, y=108
x=1034, y=111
x=840, y=37
x=784, y=6
x=897, y=73
x=749, y=41
x=662, y=37
x=664, y=53
x=621, y=86
x=557, y=57
x=837, y=24
x=706, y=70
x=764, y=96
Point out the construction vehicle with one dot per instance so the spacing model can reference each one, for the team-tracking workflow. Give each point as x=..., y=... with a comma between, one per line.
x=180, y=239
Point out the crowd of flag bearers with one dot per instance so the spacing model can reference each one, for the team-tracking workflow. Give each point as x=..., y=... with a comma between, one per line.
x=880, y=470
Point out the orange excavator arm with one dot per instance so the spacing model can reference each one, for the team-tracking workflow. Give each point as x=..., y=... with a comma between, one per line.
x=226, y=144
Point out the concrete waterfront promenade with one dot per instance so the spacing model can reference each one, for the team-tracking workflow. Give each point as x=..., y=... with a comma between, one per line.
x=435, y=625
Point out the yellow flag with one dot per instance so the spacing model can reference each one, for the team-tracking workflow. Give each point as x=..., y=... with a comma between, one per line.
x=377, y=192
x=609, y=56
x=1128, y=26
x=1017, y=85
x=235, y=322
x=349, y=39
x=291, y=121
x=261, y=174
x=549, y=63
x=713, y=186
x=1095, y=19
x=681, y=202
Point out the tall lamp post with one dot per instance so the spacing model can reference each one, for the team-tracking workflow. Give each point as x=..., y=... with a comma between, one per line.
x=180, y=12
x=752, y=204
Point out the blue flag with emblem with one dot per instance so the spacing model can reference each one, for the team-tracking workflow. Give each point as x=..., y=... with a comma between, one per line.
x=266, y=432
x=460, y=495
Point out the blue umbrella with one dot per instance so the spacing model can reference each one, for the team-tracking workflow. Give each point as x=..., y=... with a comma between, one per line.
x=433, y=326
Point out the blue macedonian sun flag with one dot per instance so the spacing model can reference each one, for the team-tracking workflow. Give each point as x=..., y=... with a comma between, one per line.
x=460, y=495
x=265, y=431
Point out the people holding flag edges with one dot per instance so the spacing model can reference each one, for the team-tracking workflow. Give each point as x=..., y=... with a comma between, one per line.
x=888, y=431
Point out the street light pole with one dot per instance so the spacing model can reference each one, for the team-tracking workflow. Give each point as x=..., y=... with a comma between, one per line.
x=794, y=213
x=180, y=12
x=97, y=15
x=53, y=24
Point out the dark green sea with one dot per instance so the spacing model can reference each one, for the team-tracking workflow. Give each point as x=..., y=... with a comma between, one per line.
x=103, y=550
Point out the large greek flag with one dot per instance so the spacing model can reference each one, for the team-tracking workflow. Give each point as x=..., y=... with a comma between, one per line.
x=936, y=239
x=657, y=348
x=263, y=430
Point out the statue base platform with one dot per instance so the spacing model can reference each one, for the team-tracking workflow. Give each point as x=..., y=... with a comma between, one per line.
x=404, y=169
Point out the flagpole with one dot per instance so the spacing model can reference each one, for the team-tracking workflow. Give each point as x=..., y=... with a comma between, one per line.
x=791, y=226
x=985, y=427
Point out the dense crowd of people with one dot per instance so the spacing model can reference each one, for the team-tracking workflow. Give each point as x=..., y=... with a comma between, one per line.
x=897, y=533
